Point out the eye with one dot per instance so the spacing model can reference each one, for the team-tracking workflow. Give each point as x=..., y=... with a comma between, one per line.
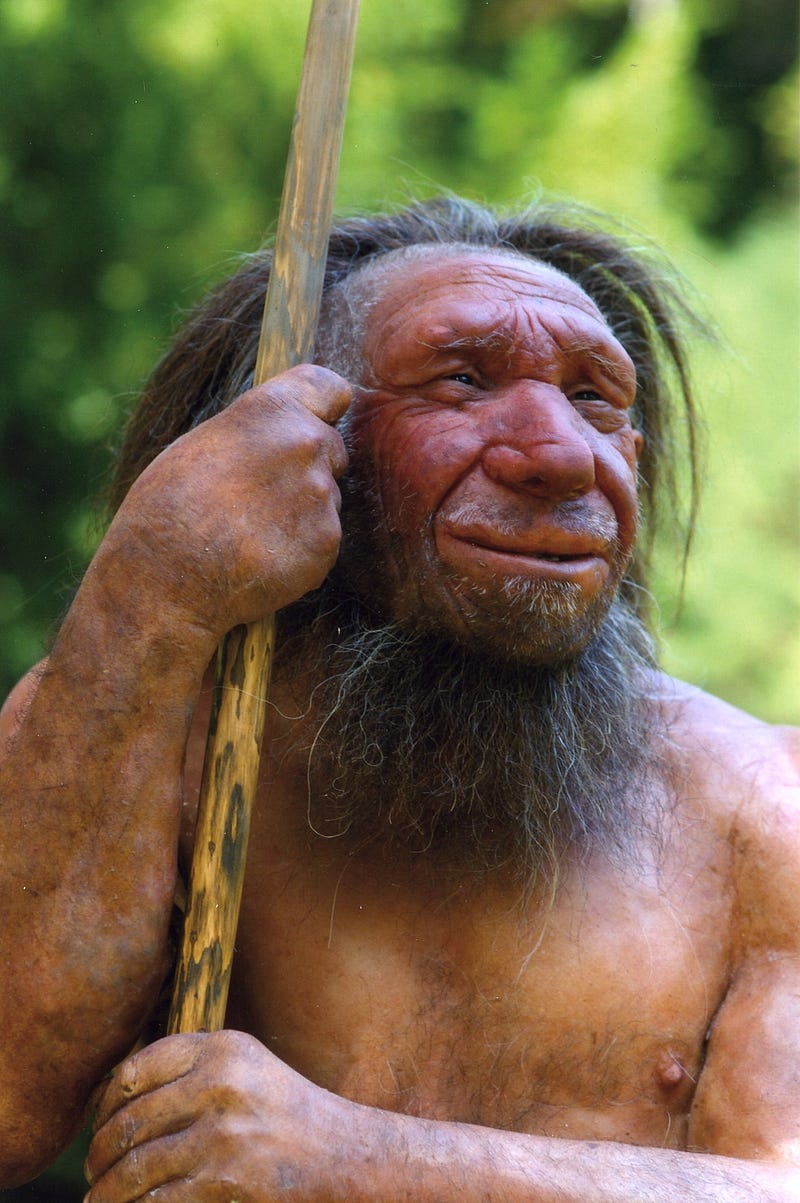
x=464, y=378
x=598, y=409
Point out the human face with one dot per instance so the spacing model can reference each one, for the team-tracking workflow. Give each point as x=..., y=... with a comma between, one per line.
x=493, y=435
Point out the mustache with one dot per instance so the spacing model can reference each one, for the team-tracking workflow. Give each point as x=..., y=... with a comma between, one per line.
x=577, y=516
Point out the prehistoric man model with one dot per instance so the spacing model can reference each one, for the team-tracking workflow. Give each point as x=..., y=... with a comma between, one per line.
x=522, y=915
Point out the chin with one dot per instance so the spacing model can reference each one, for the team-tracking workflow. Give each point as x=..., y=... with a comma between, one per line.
x=538, y=622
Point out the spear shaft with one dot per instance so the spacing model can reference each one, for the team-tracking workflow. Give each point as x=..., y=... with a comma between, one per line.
x=291, y=311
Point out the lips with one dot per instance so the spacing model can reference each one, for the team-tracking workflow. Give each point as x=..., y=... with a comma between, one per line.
x=556, y=547
x=557, y=554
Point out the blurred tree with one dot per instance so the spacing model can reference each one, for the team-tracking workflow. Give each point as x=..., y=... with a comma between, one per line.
x=121, y=175
x=744, y=51
x=142, y=145
x=142, y=149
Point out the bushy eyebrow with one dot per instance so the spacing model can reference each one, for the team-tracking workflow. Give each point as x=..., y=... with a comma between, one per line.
x=495, y=341
x=505, y=341
x=618, y=370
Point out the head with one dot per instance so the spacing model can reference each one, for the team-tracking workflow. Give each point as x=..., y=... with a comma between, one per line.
x=213, y=356
x=492, y=484
x=518, y=381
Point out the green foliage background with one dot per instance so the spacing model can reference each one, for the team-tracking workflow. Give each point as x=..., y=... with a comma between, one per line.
x=142, y=149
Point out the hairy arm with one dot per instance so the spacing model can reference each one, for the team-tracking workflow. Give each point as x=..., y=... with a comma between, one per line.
x=231, y=522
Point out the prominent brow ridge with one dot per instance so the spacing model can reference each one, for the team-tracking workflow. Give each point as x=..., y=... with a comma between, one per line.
x=617, y=370
x=494, y=340
x=500, y=340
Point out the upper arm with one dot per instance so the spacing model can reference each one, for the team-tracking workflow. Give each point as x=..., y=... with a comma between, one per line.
x=748, y=1098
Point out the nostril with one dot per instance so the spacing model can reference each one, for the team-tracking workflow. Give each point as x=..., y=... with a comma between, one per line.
x=573, y=494
x=563, y=469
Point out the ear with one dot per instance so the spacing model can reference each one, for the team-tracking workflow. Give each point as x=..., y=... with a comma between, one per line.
x=638, y=444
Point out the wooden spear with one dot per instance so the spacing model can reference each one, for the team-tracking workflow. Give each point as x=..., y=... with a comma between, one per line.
x=288, y=327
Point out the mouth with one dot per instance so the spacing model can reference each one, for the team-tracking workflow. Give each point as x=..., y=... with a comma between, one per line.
x=566, y=558
x=545, y=555
x=553, y=550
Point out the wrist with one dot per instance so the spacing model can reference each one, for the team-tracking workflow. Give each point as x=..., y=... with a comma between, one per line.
x=135, y=599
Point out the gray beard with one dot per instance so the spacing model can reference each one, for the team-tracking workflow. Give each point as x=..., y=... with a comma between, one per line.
x=420, y=745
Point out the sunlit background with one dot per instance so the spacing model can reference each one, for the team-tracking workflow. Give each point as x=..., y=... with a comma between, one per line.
x=141, y=151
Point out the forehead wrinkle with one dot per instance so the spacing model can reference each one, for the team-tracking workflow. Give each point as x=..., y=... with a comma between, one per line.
x=489, y=269
x=506, y=340
x=500, y=338
x=496, y=333
x=507, y=337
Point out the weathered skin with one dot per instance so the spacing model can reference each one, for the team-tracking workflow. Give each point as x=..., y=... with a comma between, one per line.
x=410, y=1035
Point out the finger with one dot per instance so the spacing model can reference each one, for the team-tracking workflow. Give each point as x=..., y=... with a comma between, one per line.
x=182, y=1190
x=143, y=1169
x=332, y=447
x=162, y=1112
x=321, y=391
x=156, y=1065
x=338, y=458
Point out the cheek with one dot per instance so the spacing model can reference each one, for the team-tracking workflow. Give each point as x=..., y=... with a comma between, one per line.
x=414, y=459
x=616, y=468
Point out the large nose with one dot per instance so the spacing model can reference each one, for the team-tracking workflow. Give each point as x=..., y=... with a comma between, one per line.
x=536, y=444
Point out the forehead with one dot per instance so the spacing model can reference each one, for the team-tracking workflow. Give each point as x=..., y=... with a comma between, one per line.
x=439, y=296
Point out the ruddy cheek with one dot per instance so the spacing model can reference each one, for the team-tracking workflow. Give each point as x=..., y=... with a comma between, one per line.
x=616, y=478
x=419, y=471
x=628, y=517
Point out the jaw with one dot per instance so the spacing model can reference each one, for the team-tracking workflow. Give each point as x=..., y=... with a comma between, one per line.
x=532, y=618
x=535, y=599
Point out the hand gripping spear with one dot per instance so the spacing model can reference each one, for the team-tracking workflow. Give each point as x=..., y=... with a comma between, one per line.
x=291, y=310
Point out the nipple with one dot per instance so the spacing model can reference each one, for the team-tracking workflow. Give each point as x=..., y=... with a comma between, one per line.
x=669, y=1072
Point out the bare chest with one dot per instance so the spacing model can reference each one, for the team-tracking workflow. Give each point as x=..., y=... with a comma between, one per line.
x=585, y=1021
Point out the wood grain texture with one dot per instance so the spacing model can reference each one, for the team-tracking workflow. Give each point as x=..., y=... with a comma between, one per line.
x=291, y=312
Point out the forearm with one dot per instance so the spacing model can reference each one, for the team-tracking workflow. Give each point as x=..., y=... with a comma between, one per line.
x=408, y=1160
x=233, y=521
x=90, y=794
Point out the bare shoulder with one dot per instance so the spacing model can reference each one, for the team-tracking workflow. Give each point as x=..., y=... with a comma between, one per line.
x=16, y=705
x=716, y=736
x=746, y=776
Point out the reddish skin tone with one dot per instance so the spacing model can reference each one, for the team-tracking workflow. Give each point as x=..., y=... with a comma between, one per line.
x=411, y=1036
x=492, y=438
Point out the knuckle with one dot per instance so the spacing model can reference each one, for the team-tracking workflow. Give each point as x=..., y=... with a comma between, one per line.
x=320, y=489
x=314, y=374
x=234, y=1042
x=310, y=382
x=128, y=1077
x=311, y=441
x=225, y=1069
x=223, y=1096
